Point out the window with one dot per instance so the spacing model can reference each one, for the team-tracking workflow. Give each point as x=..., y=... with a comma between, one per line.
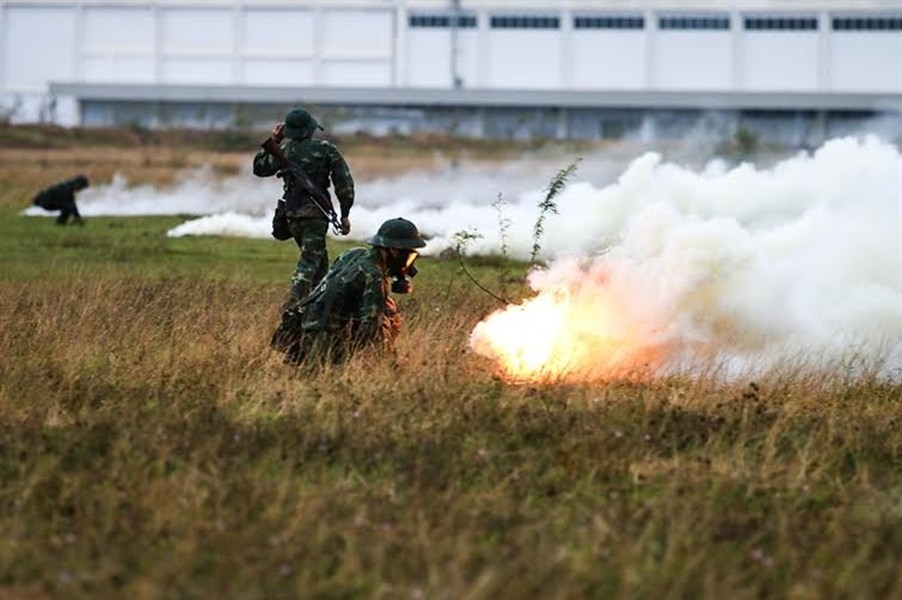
x=609, y=22
x=696, y=22
x=781, y=23
x=424, y=21
x=887, y=23
x=524, y=22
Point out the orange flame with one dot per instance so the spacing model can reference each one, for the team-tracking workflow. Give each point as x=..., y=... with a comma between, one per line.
x=562, y=336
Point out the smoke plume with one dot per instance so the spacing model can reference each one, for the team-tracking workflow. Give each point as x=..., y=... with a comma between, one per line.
x=660, y=261
x=671, y=269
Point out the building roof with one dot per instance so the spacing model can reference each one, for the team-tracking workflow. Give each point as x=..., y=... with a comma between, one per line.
x=879, y=102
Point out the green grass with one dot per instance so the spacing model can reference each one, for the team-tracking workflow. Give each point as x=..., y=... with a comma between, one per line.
x=34, y=247
x=152, y=446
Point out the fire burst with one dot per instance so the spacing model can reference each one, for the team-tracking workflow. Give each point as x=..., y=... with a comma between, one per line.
x=561, y=336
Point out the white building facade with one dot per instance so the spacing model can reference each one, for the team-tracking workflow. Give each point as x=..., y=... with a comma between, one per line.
x=102, y=61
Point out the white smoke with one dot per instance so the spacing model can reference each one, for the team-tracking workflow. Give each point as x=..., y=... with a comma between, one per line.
x=442, y=203
x=805, y=254
x=194, y=192
x=753, y=266
x=454, y=198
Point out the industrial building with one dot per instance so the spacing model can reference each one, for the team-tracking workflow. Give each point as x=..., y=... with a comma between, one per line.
x=797, y=70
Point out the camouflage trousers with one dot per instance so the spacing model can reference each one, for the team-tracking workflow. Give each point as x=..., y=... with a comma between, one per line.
x=313, y=262
x=312, y=348
x=317, y=347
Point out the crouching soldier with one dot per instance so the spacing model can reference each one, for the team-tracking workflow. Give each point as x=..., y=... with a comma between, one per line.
x=351, y=308
x=61, y=197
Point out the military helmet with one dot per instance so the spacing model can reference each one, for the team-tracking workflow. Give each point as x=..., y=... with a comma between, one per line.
x=300, y=124
x=397, y=233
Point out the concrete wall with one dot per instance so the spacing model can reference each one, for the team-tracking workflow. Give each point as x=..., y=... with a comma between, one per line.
x=613, y=59
x=865, y=61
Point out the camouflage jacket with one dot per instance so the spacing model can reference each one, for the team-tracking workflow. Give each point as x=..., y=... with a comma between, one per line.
x=351, y=305
x=321, y=160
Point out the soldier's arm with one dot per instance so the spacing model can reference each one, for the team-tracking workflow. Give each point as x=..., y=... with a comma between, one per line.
x=265, y=164
x=374, y=325
x=342, y=181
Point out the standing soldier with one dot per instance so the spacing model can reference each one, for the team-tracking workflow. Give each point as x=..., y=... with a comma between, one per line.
x=61, y=197
x=306, y=222
x=351, y=308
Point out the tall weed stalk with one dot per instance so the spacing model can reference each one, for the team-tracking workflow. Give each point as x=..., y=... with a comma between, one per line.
x=547, y=205
x=462, y=239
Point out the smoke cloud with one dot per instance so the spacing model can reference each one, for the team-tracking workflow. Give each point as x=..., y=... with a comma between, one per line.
x=752, y=263
x=747, y=267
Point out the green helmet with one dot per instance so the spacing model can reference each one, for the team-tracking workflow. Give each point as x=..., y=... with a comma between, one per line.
x=397, y=233
x=300, y=124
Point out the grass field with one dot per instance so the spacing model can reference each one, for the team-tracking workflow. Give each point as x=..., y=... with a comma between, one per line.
x=152, y=446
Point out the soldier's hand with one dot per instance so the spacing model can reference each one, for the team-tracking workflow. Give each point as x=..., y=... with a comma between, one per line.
x=345, y=226
x=277, y=132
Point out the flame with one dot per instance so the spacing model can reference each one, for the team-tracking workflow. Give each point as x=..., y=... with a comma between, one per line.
x=562, y=335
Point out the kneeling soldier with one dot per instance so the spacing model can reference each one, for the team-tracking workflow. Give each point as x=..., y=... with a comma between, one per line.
x=351, y=307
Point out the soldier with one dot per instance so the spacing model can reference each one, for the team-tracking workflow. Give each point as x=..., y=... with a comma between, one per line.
x=61, y=197
x=306, y=223
x=351, y=307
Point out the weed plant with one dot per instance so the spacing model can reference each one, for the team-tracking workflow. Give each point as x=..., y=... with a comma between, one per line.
x=152, y=446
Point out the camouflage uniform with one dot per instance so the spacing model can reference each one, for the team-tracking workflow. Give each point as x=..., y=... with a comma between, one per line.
x=321, y=160
x=61, y=197
x=348, y=310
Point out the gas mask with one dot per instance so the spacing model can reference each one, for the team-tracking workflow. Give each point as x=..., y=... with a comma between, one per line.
x=401, y=269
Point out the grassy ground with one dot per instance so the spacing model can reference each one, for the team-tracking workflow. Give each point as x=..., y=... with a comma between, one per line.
x=152, y=446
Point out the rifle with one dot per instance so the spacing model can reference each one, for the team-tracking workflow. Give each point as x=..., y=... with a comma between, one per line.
x=297, y=182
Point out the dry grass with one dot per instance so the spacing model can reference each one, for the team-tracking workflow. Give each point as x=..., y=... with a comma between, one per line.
x=30, y=168
x=152, y=446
